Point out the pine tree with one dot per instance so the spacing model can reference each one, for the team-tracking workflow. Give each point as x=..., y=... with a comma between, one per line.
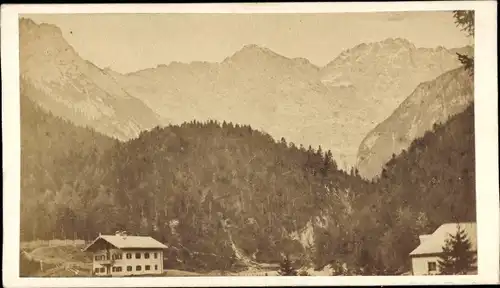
x=457, y=258
x=304, y=273
x=338, y=269
x=327, y=163
x=283, y=141
x=365, y=262
x=319, y=152
x=379, y=267
x=286, y=268
x=465, y=21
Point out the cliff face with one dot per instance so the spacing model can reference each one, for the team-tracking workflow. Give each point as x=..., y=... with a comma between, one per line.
x=432, y=102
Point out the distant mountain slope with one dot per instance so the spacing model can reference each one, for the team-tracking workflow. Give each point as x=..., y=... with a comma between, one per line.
x=292, y=98
x=256, y=87
x=431, y=102
x=286, y=97
x=75, y=89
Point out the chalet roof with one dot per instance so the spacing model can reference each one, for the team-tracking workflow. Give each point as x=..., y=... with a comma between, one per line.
x=434, y=242
x=129, y=242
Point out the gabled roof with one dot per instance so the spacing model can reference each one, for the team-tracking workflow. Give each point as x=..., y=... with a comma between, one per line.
x=129, y=242
x=433, y=244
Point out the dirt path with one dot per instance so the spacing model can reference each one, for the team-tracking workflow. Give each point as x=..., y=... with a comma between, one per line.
x=68, y=260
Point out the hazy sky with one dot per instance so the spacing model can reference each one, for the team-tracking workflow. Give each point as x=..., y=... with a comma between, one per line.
x=130, y=42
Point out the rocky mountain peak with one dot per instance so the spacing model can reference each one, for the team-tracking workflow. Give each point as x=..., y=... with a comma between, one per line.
x=253, y=53
x=27, y=25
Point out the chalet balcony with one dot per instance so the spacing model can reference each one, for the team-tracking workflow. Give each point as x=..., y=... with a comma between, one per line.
x=105, y=261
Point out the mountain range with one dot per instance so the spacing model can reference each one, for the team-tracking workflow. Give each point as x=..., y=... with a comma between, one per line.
x=334, y=106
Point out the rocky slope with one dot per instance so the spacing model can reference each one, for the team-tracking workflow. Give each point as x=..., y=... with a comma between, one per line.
x=75, y=89
x=384, y=73
x=432, y=102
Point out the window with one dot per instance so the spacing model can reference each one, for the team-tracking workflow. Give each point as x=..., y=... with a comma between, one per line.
x=96, y=258
x=146, y=255
x=156, y=255
x=138, y=268
x=431, y=266
x=117, y=256
x=113, y=269
x=137, y=255
x=119, y=269
x=102, y=270
x=147, y=268
x=129, y=255
x=96, y=270
x=129, y=268
x=156, y=267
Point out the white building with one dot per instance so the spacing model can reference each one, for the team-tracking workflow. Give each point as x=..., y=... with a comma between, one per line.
x=424, y=259
x=124, y=255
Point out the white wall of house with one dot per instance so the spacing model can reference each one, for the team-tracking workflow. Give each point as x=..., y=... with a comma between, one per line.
x=138, y=266
x=420, y=265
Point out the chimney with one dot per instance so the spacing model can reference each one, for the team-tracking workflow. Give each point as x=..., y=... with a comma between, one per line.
x=423, y=238
x=123, y=234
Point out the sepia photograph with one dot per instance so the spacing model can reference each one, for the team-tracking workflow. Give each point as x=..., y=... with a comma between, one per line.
x=182, y=145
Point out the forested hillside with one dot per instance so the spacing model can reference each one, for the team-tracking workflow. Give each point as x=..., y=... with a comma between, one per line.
x=206, y=188
x=197, y=186
x=55, y=154
x=431, y=183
